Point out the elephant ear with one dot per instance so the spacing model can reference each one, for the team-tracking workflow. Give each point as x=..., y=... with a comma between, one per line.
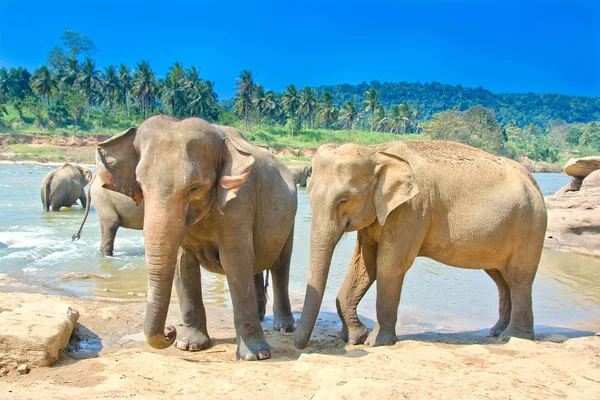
x=236, y=169
x=117, y=161
x=87, y=175
x=395, y=184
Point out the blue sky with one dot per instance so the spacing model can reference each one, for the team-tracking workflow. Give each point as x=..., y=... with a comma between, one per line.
x=504, y=46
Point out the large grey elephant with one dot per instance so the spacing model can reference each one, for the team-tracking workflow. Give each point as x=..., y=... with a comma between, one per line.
x=212, y=199
x=443, y=200
x=62, y=186
x=301, y=173
x=116, y=210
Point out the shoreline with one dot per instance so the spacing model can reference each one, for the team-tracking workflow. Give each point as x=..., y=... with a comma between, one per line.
x=108, y=357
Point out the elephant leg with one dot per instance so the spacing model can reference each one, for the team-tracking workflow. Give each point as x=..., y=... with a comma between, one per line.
x=83, y=198
x=359, y=278
x=283, y=319
x=261, y=294
x=237, y=260
x=109, y=233
x=394, y=259
x=504, y=307
x=193, y=335
x=520, y=282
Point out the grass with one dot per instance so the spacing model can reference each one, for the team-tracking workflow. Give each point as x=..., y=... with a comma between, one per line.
x=48, y=153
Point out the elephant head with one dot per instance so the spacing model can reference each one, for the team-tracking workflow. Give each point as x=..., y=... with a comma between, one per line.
x=183, y=170
x=353, y=187
x=86, y=175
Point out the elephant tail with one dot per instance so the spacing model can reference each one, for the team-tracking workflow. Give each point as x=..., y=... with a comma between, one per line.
x=266, y=283
x=87, y=210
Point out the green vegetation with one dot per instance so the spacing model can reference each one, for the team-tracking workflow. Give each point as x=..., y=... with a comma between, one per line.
x=71, y=95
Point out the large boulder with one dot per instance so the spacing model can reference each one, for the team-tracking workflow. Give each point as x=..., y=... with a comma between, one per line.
x=35, y=328
x=574, y=218
x=582, y=167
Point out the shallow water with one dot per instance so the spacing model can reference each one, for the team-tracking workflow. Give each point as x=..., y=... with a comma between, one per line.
x=36, y=249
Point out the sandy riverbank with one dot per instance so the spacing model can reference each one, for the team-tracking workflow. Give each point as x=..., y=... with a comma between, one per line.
x=112, y=361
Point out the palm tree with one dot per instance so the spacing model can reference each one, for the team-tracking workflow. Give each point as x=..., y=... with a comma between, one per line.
x=69, y=75
x=406, y=115
x=243, y=98
x=291, y=102
x=89, y=79
x=263, y=104
x=328, y=112
x=272, y=97
x=111, y=85
x=4, y=84
x=43, y=82
x=144, y=85
x=125, y=84
x=173, y=87
x=348, y=114
x=395, y=119
x=415, y=116
x=371, y=104
x=202, y=98
x=308, y=104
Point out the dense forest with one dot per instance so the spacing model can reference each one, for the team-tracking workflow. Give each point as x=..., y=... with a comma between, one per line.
x=72, y=95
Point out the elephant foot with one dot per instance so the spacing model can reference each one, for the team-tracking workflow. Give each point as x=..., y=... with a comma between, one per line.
x=512, y=331
x=381, y=337
x=253, y=349
x=497, y=329
x=284, y=323
x=354, y=335
x=191, y=339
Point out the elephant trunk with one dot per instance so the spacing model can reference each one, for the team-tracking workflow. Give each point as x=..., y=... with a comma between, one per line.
x=163, y=238
x=321, y=251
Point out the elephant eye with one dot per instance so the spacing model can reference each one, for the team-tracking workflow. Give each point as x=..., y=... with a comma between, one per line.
x=195, y=188
x=343, y=200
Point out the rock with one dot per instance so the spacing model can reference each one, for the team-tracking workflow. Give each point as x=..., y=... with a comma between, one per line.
x=574, y=218
x=22, y=369
x=582, y=167
x=35, y=332
x=80, y=276
x=591, y=181
x=572, y=186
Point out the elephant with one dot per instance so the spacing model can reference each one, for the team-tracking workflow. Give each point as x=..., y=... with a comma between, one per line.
x=62, y=186
x=211, y=199
x=117, y=210
x=443, y=200
x=301, y=173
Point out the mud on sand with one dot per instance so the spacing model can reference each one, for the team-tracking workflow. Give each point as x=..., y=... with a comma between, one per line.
x=107, y=358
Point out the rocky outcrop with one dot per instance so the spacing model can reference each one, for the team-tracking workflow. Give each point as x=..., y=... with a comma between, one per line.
x=574, y=211
x=582, y=167
x=34, y=333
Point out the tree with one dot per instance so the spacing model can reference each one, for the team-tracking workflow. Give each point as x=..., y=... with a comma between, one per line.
x=573, y=136
x=74, y=45
x=291, y=102
x=406, y=115
x=203, y=98
x=36, y=107
x=125, y=83
x=89, y=80
x=371, y=104
x=243, y=98
x=111, y=85
x=70, y=73
x=19, y=79
x=308, y=104
x=4, y=84
x=348, y=114
x=75, y=102
x=395, y=119
x=43, y=82
x=262, y=103
x=328, y=112
x=144, y=86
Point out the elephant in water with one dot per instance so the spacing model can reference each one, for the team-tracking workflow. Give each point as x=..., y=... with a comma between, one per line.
x=213, y=199
x=452, y=203
x=62, y=186
x=301, y=173
x=117, y=210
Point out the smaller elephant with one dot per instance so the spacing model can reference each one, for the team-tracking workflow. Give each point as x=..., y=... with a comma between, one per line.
x=64, y=185
x=301, y=173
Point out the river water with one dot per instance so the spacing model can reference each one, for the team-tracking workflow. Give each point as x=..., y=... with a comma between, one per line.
x=37, y=252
